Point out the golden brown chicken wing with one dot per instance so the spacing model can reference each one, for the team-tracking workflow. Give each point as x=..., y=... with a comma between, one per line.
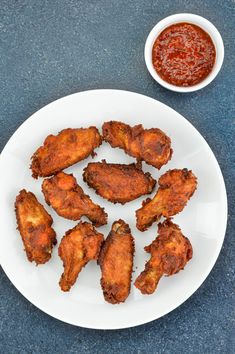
x=34, y=225
x=63, y=150
x=79, y=246
x=68, y=199
x=118, y=183
x=151, y=145
x=170, y=252
x=116, y=262
x=175, y=188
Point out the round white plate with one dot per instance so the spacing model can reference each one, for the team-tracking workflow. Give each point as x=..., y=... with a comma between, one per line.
x=203, y=220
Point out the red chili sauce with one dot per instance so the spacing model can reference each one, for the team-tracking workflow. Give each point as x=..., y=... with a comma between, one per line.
x=183, y=54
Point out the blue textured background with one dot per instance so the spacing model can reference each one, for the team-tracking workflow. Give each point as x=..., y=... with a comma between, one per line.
x=49, y=49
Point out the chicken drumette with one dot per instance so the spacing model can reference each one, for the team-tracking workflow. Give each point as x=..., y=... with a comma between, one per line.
x=150, y=145
x=79, y=246
x=68, y=199
x=170, y=252
x=175, y=189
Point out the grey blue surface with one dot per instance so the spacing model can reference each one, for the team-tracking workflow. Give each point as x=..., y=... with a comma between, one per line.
x=49, y=49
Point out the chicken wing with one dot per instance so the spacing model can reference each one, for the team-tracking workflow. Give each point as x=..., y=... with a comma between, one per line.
x=175, y=188
x=68, y=199
x=118, y=183
x=116, y=262
x=63, y=150
x=170, y=252
x=151, y=145
x=34, y=225
x=79, y=246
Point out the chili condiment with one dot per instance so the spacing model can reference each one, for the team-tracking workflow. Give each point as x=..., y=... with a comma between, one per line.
x=183, y=54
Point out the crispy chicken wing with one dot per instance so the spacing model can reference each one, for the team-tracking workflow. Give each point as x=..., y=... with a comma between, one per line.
x=63, y=150
x=68, y=199
x=175, y=188
x=34, y=225
x=170, y=252
x=118, y=183
x=151, y=145
x=116, y=262
x=79, y=246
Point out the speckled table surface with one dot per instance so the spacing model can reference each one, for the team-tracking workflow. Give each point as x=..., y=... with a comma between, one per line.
x=50, y=49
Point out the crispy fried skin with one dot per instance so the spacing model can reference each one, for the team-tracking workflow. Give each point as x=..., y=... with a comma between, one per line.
x=68, y=199
x=151, y=145
x=170, y=252
x=175, y=188
x=116, y=262
x=79, y=246
x=63, y=150
x=34, y=224
x=118, y=183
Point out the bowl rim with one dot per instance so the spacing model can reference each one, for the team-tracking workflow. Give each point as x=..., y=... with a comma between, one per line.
x=200, y=21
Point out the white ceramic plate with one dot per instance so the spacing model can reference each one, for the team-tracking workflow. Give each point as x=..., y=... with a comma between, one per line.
x=203, y=220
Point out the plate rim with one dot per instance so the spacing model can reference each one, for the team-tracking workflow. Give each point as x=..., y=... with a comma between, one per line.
x=213, y=260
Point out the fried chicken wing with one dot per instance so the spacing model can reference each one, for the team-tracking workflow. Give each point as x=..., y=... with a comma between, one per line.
x=79, y=246
x=176, y=187
x=151, y=145
x=34, y=225
x=170, y=252
x=116, y=262
x=68, y=199
x=63, y=150
x=118, y=183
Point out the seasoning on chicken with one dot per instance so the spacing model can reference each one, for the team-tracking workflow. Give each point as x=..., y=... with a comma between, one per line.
x=116, y=262
x=170, y=252
x=34, y=225
x=118, y=183
x=79, y=246
x=151, y=145
x=68, y=199
x=63, y=150
x=176, y=187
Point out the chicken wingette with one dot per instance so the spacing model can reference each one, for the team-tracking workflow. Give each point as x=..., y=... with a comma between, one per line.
x=150, y=145
x=79, y=246
x=34, y=225
x=176, y=187
x=170, y=252
x=68, y=199
x=63, y=150
x=116, y=262
x=118, y=183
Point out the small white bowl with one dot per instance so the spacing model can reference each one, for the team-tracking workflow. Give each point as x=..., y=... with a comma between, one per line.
x=196, y=20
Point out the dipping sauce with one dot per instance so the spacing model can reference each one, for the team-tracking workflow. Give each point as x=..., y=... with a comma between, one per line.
x=183, y=54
